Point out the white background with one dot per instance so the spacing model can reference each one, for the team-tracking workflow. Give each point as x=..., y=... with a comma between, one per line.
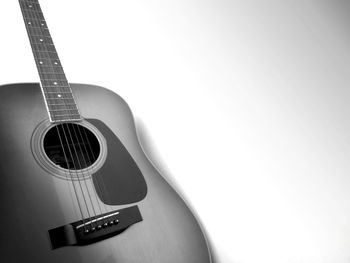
x=243, y=105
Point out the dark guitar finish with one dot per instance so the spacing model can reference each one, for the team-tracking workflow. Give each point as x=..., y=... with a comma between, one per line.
x=33, y=201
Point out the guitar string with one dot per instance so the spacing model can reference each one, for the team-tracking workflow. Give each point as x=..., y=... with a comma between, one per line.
x=68, y=126
x=28, y=23
x=88, y=164
x=65, y=136
x=107, y=208
x=78, y=159
x=110, y=247
x=89, y=175
x=80, y=169
x=104, y=220
x=65, y=156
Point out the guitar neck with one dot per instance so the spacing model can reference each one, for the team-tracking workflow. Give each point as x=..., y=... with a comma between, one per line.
x=58, y=95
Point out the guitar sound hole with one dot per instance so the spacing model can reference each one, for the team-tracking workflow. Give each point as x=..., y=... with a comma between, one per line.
x=71, y=146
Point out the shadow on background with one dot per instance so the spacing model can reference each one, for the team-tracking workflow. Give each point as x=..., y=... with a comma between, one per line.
x=154, y=156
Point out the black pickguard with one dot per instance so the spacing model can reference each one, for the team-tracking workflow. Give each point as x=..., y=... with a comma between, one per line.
x=119, y=181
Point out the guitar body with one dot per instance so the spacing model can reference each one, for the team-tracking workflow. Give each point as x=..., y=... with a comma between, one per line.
x=34, y=201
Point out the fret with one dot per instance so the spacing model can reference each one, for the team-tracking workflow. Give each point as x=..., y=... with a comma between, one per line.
x=69, y=95
x=33, y=18
x=66, y=117
x=59, y=95
x=59, y=75
x=61, y=85
x=65, y=120
x=53, y=112
x=54, y=97
x=74, y=111
x=42, y=48
x=57, y=83
x=44, y=69
x=57, y=110
x=66, y=104
x=67, y=107
x=50, y=70
x=49, y=76
x=55, y=86
x=45, y=38
x=38, y=31
x=57, y=89
x=47, y=55
x=60, y=81
x=33, y=27
x=31, y=15
x=48, y=89
x=55, y=79
x=61, y=99
x=63, y=107
x=57, y=92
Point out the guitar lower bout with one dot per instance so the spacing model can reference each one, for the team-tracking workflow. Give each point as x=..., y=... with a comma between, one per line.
x=143, y=220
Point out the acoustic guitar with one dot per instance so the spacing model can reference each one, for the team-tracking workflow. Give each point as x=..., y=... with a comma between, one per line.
x=75, y=183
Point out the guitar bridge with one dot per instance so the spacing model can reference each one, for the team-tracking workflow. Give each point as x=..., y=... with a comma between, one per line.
x=94, y=229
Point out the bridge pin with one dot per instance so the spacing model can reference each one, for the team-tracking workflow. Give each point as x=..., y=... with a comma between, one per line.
x=92, y=229
x=111, y=222
x=116, y=221
x=99, y=227
x=86, y=231
x=105, y=225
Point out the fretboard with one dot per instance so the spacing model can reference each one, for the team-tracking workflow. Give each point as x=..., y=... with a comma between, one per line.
x=58, y=95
